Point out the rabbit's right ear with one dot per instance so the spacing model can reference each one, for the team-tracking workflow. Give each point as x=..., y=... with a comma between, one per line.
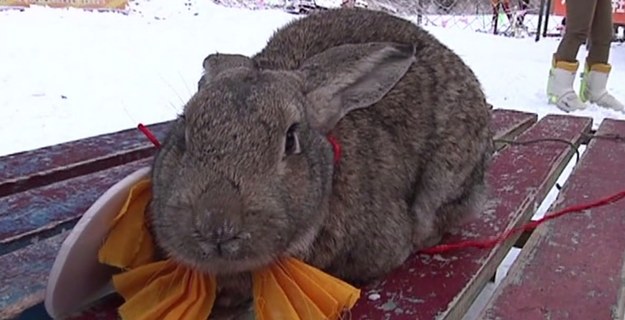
x=350, y=77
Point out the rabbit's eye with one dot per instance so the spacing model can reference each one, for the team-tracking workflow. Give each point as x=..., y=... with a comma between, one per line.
x=291, y=143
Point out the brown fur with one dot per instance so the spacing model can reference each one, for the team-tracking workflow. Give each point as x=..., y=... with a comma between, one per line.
x=412, y=122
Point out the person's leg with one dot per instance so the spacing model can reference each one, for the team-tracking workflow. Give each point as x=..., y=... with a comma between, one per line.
x=600, y=33
x=597, y=68
x=523, y=6
x=505, y=4
x=579, y=14
x=495, y=6
x=564, y=66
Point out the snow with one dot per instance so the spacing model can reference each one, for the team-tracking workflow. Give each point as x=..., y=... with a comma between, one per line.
x=66, y=74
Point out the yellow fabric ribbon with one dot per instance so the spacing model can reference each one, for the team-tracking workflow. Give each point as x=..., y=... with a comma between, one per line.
x=286, y=289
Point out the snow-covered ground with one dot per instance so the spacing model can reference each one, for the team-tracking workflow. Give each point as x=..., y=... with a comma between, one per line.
x=67, y=74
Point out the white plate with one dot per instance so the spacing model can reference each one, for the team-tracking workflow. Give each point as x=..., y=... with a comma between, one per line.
x=77, y=278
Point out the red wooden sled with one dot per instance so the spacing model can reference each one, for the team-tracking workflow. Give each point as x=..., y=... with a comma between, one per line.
x=569, y=268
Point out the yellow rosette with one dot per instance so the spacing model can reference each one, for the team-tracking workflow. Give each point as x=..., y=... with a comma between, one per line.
x=286, y=289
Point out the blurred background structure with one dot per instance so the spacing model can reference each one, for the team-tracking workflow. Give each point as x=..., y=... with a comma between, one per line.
x=512, y=18
x=515, y=18
x=518, y=18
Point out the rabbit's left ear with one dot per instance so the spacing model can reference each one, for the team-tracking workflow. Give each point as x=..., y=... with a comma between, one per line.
x=217, y=63
x=352, y=76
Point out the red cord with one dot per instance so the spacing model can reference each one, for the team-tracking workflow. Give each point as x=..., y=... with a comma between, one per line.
x=149, y=135
x=489, y=243
x=336, y=147
x=480, y=244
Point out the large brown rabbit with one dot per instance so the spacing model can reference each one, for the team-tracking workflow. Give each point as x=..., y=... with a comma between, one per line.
x=247, y=173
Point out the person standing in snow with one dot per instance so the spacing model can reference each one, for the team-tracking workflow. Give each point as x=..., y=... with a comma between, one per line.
x=592, y=20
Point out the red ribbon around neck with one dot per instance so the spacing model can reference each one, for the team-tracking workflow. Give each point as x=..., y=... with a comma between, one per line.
x=336, y=147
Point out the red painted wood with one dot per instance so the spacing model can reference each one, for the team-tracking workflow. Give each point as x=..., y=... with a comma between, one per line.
x=508, y=122
x=24, y=275
x=426, y=286
x=30, y=169
x=573, y=267
x=38, y=212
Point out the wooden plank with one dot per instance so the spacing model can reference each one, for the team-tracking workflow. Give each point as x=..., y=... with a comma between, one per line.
x=443, y=286
x=24, y=276
x=42, y=212
x=508, y=124
x=30, y=169
x=573, y=267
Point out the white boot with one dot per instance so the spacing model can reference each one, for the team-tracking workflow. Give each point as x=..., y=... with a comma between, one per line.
x=593, y=87
x=560, y=86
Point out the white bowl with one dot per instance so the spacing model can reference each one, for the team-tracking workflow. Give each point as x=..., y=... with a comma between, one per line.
x=77, y=277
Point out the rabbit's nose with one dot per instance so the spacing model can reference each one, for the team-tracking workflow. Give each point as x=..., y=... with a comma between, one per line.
x=225, y=232
x=228, y=246
x=223, y=240
x=228, y=241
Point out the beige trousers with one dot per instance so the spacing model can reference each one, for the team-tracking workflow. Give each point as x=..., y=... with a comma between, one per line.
x=587, y=19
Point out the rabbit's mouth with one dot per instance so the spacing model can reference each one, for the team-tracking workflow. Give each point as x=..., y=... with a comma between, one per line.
x=233, y=256
x=220, y=264
x=224, y=257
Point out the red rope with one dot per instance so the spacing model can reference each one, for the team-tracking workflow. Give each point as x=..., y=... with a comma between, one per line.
x=336, y=147
x=489, y=243
x=149, y=135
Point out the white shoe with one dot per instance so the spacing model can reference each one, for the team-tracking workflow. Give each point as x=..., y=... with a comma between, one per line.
x=560, y=86
x=593, y=87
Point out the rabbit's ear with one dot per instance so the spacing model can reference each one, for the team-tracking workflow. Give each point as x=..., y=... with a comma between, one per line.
x=217, y=63
x=352, y=76
x=222, y=61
